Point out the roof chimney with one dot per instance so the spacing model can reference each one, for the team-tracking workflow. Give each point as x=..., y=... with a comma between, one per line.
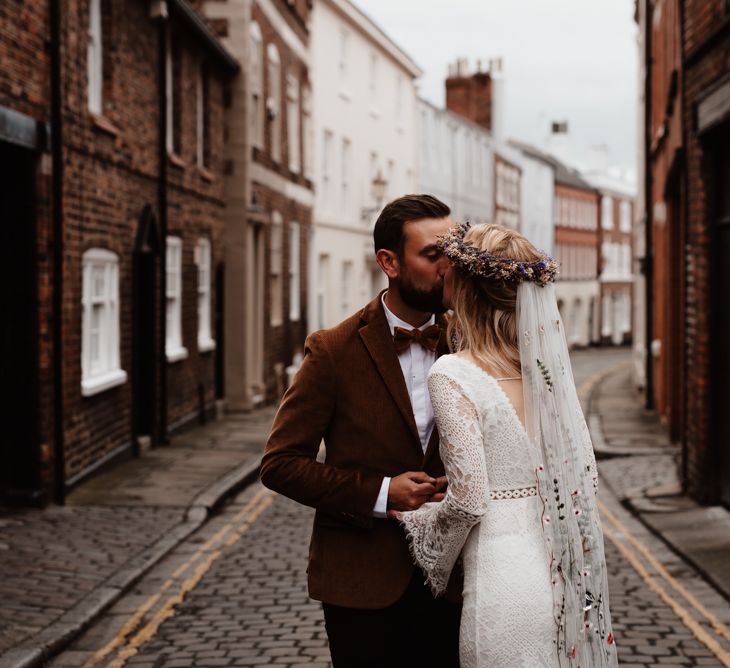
x=470, y=95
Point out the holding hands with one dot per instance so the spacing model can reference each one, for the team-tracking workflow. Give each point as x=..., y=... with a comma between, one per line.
x=410, y=490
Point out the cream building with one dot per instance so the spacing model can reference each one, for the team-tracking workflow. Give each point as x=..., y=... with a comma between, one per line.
x=455, y=162
x=364, y=108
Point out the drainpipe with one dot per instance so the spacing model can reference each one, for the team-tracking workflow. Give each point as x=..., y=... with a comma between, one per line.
x=59, y=458
x=648, y=213
x=159, y=12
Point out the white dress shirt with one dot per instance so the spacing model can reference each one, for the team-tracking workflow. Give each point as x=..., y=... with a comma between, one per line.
x=415, y=362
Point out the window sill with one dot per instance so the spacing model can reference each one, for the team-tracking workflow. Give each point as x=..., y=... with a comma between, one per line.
x=344, y=95
x=374, y=113
x=104, y=125
x=175, y=160
x=206, y=345
x=103, y=382
x=176, y=354
x=206, y=174
x=276, y=323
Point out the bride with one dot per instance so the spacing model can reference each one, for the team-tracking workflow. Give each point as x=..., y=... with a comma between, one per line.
x=520, y=507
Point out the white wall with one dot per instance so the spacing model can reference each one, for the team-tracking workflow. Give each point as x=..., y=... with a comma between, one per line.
x=455, y=162
x=538, y=203
x=363, y=94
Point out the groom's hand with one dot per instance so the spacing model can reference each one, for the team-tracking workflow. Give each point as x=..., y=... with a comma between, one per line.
x=412, y=489
x=440, y=491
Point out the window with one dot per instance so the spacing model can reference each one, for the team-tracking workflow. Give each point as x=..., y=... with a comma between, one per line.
x=273, y=103
x=95, y=58
x=275, y=265
x=607, y=212
x=345, y=171
x=100, y=368
x=342, y=62
x=256, y=121
x=172, y=94
x=307, y=131
x=292, y=121
x=625, y=216
x=327, y=171
x=203, y=117
x=346, y=286
x=399, y=100
x=373, y=85
x=294, y=272
x=203, y=260
x=173, y=289
x=323, y=273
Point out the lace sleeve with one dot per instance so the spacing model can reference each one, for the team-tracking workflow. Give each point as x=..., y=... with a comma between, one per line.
x=437, y=531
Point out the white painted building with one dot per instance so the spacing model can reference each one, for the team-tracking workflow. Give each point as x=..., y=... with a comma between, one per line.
x=455, y=162
x=538, y=196
x=364, y=108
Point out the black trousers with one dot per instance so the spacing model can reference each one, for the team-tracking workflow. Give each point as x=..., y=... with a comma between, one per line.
x=417, y=631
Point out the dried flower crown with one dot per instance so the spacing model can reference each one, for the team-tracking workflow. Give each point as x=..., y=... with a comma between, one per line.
x=474, y=262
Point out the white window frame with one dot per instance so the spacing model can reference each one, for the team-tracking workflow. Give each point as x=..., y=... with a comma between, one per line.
x=95, y=59
x=105, y=372
x=307, y=131
x=174, y=349
x=204, y=262
x=348, y=269
x=292, y=122
x=276, y=253
x=295, y=260
x=327, y=170
x=345, y=171
x=256, y=63
x=607, y=212
x=625, y=216
x=273, y=102
x=342, y=63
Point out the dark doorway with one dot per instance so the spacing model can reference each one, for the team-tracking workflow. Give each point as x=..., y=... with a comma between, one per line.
x=219, y=359
x=720, y=362
x=19, y=445
x=144, y=332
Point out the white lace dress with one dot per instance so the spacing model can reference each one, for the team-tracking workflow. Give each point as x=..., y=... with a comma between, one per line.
x=491, y=516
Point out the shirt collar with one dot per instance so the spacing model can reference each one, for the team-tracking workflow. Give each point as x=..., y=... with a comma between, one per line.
x=394, y=321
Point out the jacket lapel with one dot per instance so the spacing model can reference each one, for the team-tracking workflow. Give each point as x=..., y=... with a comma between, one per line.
x=375, y=334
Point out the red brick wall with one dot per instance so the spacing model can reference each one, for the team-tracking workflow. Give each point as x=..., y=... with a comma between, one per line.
x=702, y=19
x=25, y=88
x=471, y=97
x=283, y=341
x=111, y=174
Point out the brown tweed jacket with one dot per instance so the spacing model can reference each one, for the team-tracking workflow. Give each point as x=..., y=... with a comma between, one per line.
x=350, y=392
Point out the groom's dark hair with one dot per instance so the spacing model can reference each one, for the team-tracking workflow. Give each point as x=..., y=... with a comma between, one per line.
x=388, y=232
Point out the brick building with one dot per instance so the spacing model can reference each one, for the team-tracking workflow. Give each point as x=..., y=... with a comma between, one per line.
x=270, y=194
x=124, y=345
x=577, y=242
x=687, y=182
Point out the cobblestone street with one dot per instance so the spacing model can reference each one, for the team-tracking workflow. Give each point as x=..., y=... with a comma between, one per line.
x=234, y=593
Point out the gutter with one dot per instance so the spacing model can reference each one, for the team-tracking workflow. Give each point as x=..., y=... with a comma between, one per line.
x=648, y=212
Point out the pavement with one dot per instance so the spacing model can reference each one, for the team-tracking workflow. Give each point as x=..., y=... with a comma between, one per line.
x=66, y=567
x=641, y=467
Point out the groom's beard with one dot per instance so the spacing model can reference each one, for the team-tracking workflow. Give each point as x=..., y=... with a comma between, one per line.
x=427, y=301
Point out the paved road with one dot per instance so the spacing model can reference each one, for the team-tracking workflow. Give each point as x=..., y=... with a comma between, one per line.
x=235, y=594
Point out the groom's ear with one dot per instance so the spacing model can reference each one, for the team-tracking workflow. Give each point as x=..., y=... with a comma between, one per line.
x=389, y=262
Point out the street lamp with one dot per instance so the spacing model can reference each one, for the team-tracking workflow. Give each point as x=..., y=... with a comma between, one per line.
x=377, y=190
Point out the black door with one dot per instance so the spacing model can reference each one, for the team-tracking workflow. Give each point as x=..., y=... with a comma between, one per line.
x=144, y=347
x=219, y=305
x=19, y=445
x=721, y=308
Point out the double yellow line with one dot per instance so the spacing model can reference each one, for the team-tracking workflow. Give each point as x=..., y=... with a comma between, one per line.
x=619, y=535
x=624, y=540
x=173, y=591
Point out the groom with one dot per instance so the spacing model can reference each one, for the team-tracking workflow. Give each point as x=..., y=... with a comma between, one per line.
x=362, y=388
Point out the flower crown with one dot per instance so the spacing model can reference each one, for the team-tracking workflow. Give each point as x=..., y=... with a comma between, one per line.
x=468, y=259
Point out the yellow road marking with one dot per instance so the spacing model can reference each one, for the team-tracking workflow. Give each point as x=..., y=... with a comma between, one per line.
x=719, y=627
x=700, y=633
x=256, y=505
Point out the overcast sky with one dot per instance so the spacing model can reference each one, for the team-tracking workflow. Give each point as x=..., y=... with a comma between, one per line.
x=573, y=60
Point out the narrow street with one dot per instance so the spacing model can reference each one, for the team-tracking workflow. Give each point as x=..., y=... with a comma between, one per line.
x=234, y=594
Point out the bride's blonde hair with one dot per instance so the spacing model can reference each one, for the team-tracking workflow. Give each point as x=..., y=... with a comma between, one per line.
x=485, y=320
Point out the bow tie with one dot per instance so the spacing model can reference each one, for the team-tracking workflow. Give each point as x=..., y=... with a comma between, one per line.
x=428, y=338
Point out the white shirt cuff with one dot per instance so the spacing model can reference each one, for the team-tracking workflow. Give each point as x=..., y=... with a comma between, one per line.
x=381, y=504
